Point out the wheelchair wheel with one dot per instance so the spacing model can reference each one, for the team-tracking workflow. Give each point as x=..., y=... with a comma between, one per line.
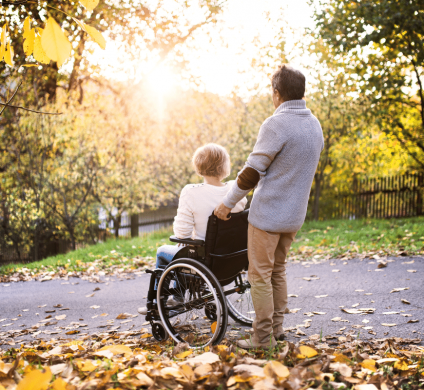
x=239, y=302
x=195, y=290
x=159, y=332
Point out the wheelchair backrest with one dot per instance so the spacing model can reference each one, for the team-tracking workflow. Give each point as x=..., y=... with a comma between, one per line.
x=226, y=246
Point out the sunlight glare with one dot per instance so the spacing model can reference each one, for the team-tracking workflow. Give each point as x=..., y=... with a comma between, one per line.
x=161, y=81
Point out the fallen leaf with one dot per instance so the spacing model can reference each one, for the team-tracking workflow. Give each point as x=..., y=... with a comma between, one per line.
x=411, y=270
x=413, y=321
x=61, y=317
x=89, y=296
x=35, y=380
x=275, y=369
x=306, y=352
x=292, y=296
x=321, y=296
x=184, y=354
x=388, y=325
x=405, y=301
x=118, y=349
x=399, y=289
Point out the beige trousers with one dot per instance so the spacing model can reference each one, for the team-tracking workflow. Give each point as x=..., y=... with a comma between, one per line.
x=267, y=254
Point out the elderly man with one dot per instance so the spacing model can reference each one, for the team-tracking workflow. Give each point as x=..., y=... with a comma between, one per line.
x=282, y=166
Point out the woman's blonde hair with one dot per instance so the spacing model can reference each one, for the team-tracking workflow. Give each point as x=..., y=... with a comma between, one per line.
x=212, y=160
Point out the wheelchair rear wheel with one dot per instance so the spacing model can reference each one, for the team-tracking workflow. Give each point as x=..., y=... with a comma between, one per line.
x=239, y=301
x=195, y=290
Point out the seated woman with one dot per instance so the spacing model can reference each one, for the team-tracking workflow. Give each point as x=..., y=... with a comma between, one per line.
x=198, y=201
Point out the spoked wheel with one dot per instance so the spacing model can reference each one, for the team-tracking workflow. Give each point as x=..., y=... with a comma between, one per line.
x=196, y=292
x=240, y=305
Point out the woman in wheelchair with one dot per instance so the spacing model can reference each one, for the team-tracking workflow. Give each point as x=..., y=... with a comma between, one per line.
x=187, y=287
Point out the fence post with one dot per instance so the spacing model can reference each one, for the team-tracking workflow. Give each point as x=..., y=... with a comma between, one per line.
x=134, y=225
x=420, y=186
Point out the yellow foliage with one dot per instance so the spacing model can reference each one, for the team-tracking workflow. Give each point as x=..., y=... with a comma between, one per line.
x=184, y=354
x=59, y=384
x=369, y=364
x=54, y=42
x=36, y=380
x=213, y=327
x=29, y=42
x=93, y=32
x=275, y=368
x=306, y=352
x=401, y=365
x=118, y=349
x=39, y=53
x=89, y=4
x=85, y=365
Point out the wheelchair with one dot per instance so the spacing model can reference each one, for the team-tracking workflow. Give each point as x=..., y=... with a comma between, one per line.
x=191, y=298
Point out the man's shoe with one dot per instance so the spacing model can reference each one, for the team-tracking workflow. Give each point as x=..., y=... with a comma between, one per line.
x=142, y=310
x=279, y=333
x=251, y=344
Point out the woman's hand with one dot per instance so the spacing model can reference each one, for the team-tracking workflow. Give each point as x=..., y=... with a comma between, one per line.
x=222, y=212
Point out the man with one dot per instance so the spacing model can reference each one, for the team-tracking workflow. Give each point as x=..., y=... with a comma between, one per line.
x=282, y=166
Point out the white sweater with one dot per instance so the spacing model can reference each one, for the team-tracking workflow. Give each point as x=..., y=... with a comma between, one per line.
x=197, y=201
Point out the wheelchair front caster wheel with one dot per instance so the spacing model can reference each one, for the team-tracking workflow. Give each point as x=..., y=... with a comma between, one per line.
x=210, y=311
x=159, y=332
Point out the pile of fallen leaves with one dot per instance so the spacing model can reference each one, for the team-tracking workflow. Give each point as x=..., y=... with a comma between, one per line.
x=118, y=266
x=106, y=361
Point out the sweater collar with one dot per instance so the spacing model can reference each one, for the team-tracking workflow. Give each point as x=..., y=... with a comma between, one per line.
x=293, y=106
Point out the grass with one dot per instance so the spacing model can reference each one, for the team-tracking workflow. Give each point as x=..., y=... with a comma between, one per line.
x=316, y=239
x=338, y=237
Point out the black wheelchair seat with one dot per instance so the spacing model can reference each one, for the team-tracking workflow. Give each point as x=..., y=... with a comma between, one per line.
x=225, y=246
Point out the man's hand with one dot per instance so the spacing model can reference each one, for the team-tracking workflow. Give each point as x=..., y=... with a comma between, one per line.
x=222, y=212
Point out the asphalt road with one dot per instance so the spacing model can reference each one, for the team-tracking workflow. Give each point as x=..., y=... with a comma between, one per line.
x=25, y=304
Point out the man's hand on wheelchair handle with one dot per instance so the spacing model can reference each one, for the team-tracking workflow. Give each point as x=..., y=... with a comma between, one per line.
x=222, y=211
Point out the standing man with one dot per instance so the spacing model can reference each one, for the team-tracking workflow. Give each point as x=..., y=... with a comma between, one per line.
x=282, y=166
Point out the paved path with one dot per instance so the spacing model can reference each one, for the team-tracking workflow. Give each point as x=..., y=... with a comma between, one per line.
x=356, y=282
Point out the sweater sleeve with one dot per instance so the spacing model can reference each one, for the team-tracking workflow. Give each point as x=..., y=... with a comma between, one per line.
x=267, y=146
x=184, y=221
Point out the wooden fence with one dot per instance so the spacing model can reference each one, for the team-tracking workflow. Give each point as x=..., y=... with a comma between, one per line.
x=131, y=226
x=383, y=197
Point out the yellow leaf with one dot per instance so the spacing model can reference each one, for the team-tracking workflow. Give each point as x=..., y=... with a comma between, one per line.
x=274, y=368
x=29, y=42
x=54, y=42
x=35, y=380
x=8, y=55
x=39, y=53
x=369, y=364
x=89, y=4
x=118, y=349
x=27, y=26
x=2, y=42
x=184, y=354
x=86, y=366
x=340, y=358
x=213, y=327
x=96, y=36
x=59, y=384
x=401, y=365
x=145, y=336
x=74, y=342
x=306, y=352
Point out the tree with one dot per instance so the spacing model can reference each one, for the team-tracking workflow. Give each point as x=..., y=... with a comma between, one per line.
x=379, y=44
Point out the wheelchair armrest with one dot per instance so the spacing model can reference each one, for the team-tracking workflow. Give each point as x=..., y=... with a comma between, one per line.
x=229, y=255
x=187, y=241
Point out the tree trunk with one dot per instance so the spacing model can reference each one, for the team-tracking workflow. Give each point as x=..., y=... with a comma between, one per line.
x=116, y=225
x=72, y=235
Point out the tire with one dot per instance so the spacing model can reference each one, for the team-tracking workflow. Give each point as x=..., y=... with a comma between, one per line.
x=194, y=283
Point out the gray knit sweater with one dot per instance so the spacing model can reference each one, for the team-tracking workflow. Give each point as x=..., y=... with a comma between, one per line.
x=286, y=156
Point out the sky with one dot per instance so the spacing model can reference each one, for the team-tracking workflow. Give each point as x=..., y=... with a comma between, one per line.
x=221, y=63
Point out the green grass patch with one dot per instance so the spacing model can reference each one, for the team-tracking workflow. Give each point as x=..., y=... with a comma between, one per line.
x=360, y=236
x=319, y=239
x=113, y=251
